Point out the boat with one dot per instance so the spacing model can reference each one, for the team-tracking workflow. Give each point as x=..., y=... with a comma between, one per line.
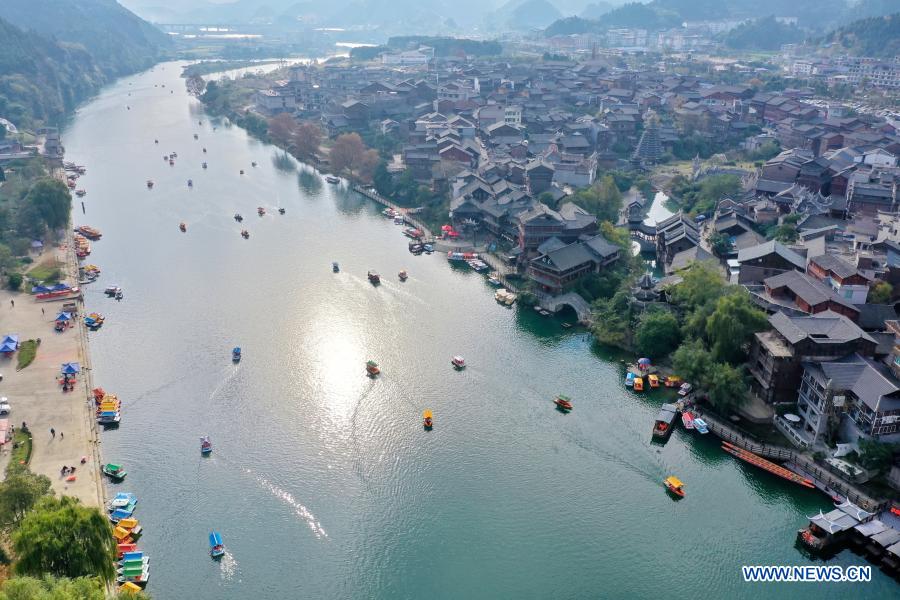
x=427, y=419
x=253, y=164
x=216, y=547
x=182, y=226
x=685, y=389
x=387, y=212
x=332, y=179
x=204, y=150
x=190, y=183
x=461, y=256
x=372, y=368
x=205, y=445
x=114, y=471
x=236, y=354
x=245, y=234
x=121, y=506
x=673, y=381
x=171, y=162
x=629, y=379
x=563, y=403
x=687, y=419
x=398, y=220
x=674, y=485
x=281, y=211
x=119, y=295
x=335, y=268
x=196, y=136
x=413, y=233
x=654, y=380
x=238, y=217
x=204, y=165
x=638, y=383
x=494, y=281
x=700, y=425
x=767, y=465
x=80, y=193
x=458, y=361
x=242, y=171
x=428, y=248
x=374, y=278
x=260, y=211
x=415, y=247
x=403, y=275
x=61, y=294
x=132, y=526
x=664, y=419
x=89, y=232
x=149, y=184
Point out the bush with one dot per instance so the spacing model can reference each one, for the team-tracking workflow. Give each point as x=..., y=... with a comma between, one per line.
x=27, y=352
x=14, y=281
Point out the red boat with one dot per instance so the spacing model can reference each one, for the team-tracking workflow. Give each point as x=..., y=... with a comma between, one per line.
x=768, y=465
x=674, y=486
x=58, y=295
x=563, y=402
x=687, y=419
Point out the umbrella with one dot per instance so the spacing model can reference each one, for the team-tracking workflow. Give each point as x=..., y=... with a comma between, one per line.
x=446, y=228
x=63, y=316
x=70, y=368
x=643, y=361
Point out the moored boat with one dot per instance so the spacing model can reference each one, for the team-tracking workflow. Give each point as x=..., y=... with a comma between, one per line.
x=673, y=381
x=629, y=379
x=685, y=389
x=80, y=193
x=216, y=547
x=332, y=179
x=674, y=486
x=427, y=419
x=413, y=233
x=563, y=403
x=114, y=471
x=700, y=425
x=374, y=278
x=687, y=419
x=205, y=445
x=654, y=380
x=89, y=232
x=458, y=361
x=638, y=383
x=664, y=419
x=372, y=369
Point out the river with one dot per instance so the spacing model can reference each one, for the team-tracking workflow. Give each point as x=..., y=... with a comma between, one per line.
x=322, y=481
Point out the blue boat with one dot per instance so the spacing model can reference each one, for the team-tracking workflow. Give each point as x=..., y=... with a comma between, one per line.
x=216, y=547
x=205, y=445
x=700, y=425
x=236, y=354
x=629, y=379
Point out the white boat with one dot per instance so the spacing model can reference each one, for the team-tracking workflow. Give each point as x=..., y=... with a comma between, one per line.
x=332, y=179
x=700, y=425
x=459, y=362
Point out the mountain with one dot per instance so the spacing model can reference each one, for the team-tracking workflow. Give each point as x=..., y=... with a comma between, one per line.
x=876, y=36
x=595, y=10
x=119, y=41
x=762, y=34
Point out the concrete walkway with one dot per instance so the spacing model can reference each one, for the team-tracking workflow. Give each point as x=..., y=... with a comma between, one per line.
x=37, y=399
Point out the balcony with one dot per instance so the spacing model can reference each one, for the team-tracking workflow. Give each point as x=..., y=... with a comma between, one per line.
x=795, y=434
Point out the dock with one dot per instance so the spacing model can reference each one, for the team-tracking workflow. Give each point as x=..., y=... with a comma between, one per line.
x=409, y=218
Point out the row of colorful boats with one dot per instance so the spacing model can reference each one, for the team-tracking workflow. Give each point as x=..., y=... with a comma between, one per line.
x=132, y=565
x=108, y=408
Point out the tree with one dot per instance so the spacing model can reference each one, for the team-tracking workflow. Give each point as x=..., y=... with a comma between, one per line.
x=874, y=455
x=382, y=180
x=281, y=129
x=692, y=361
x=50, y=200
x=721, y=243
x=730, y=327
x=18, y=493
x=657, y=334
x=52, y=588
x=14, y=281
x=726, y=386
x=368, y=163
x=702, y=282
x=347, y=152
x=603, y=199
x=62, y=537
x=881, y=293
x=307, y=139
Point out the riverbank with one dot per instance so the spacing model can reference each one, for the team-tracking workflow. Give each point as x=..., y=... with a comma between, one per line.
x=36, y=397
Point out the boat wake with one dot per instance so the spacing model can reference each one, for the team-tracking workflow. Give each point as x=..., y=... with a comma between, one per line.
x=228, y=566
x=298, y=508
x=229, y=373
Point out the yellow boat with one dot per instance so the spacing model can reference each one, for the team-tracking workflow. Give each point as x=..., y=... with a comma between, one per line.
x=427, y=419
x=639, y=384
x=674, y=485
x=130, y=587
x=654, y=380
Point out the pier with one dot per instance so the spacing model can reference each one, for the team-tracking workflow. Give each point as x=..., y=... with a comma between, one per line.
x=373, y=195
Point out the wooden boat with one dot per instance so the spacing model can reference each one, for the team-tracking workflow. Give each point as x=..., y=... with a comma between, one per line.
x=374, y=278
x=80, y=193
x=767, y=465
x=238, y=217
x=403, y=275
x=332, y=179
x=563, y=403
x=245, y=234
x=205, y=445
x=700, y=425
x=114, y=471
x=662, y=427
x=458, y=361
x=236, y=354
x=654, y=380
x=427, y=420
x=182, y=227
x=638, y=384
x=687, y=419
x=260, y=211
x=335, y=268
x=372, y=368
x=674, y=486
x=216, y=547
x=89, y=232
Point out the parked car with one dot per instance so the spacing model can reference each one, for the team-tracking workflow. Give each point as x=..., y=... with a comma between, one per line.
x=5, y=408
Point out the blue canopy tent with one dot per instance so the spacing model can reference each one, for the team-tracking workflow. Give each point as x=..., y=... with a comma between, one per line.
x=59, y=287
x=40, y=289
x=10, y=338
x=7, y=348
x=63, y=316
x=70, y=368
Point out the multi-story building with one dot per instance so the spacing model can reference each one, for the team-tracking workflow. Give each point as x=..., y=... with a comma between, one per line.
x=844, y=278
x=558, y=265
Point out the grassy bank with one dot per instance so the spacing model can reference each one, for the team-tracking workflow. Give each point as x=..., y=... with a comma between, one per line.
x=48, y=271
x=21, y=453
x=27, y=352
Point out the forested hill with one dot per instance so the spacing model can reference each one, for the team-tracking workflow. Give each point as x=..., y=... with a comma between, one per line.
x=876, y=36
x=64, y=52
x=119, y=41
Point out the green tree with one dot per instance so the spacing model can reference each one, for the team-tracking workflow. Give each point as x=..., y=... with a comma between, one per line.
x=657, y=334
x=874, y=455
x=881, y=293
x=612, y=319
x=382, y=180
x=18, y=493
x=52, y=588
x=692, y=361
x=721, y=243
x=726, y=386
x=702, y=282
x=51, y=201
x=603, y=199
x=731, y=326
x=62, y=537
x=14, y=281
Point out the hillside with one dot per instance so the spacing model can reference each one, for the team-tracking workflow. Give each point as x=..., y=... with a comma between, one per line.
x=119, y=41
x=762, y=34
x=876, y=36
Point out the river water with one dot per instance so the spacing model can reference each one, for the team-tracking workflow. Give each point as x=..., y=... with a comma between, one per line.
x=322, y=481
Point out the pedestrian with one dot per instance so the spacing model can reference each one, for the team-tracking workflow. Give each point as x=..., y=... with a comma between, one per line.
x=52, y=433
x=12, y=303
x=61, y=434
x=42, y=311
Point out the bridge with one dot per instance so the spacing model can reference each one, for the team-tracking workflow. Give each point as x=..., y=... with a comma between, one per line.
x=556, y=303
x=643, y=234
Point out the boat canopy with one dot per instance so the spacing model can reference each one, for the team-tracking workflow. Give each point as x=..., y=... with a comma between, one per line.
x=215, y=539
x=236, y=350
x=63, y=316
x=674, y=481
x=70, y=368
x=427, y=414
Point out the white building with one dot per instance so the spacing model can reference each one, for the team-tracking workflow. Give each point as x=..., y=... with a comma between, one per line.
x=512, y=115
x=407, y=57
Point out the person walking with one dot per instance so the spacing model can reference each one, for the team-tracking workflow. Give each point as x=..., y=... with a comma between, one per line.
x=52, y=433
x=61, y=435
x=12, y=303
